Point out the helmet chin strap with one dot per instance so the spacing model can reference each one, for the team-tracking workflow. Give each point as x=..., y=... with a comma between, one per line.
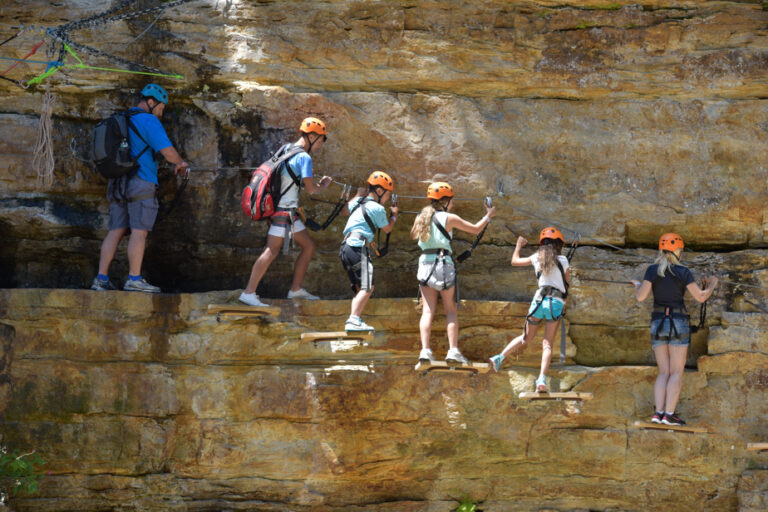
x=152, y=109
x=672, y=253
x=312, y=142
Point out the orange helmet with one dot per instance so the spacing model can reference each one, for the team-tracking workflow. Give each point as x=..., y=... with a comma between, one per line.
x=381, y=179
x=439, y=190
x=552, y=234
x=313, y=125
x=670, y=242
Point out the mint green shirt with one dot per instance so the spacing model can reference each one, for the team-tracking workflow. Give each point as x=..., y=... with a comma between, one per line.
x=436, y=239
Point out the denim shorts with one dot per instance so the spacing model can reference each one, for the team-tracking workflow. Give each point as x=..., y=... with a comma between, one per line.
x=139, y=214
x=680, y=335
x=550, y=309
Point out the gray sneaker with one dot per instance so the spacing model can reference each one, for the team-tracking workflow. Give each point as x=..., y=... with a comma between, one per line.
x=102, y=285
x=140, y=285
x=454, y=356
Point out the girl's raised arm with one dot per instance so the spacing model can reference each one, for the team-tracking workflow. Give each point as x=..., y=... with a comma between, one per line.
x=517, y=261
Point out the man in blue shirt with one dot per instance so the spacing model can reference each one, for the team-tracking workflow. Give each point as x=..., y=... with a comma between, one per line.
x=133, y=198
x=286, y=221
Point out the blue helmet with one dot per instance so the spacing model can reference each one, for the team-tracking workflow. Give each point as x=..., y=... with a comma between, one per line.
x=156, y=92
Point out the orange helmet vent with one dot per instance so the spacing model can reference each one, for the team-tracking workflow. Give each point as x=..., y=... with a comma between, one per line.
x=670, y=242
x=381, y=179
x=313, y=125
x=552, y=234
x=439, y=190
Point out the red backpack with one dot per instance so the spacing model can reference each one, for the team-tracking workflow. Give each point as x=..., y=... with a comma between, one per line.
x=261, y=195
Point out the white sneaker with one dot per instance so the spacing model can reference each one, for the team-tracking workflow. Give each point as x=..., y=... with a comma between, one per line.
x=454, y=356
x=301, y=293
x=140, y=285
x=251, y=299
x=426, y=355
x=356, y=324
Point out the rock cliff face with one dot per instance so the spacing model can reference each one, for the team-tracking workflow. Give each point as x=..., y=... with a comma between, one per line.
x=148, y=403
x=618, y=120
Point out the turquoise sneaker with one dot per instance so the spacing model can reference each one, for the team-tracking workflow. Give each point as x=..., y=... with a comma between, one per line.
x=496, y=361
x=541, y=384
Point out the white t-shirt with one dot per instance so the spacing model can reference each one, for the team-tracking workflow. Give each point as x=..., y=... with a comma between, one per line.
x=552, y=278
x=301, y=165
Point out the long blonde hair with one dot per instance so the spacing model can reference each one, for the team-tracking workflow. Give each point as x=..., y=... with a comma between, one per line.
x=665, y=260
x=422, y=226
x=547, y=255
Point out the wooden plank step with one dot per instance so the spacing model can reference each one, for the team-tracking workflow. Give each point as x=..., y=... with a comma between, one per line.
x=570, y=395
x=672, y=428
x=337, y=336
x=242, y=310
x=442, y=366
x=757, y=447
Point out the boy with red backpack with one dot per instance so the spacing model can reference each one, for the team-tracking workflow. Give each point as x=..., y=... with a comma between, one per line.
x=295, y=172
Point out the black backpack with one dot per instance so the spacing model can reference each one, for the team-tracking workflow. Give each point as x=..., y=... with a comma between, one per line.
x=111, y=151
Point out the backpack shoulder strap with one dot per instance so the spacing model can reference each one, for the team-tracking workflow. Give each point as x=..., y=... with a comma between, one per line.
x=128, y=115
x=289, y=151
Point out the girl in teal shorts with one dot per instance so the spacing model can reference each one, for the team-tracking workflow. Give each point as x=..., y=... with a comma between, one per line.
x=552, y=273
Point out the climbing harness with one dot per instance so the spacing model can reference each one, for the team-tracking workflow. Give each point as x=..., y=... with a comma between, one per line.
x=379, y=252
x=670, y=312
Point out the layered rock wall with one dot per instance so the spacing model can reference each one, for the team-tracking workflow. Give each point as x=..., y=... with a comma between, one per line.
x=148, y=403
x=620, y=121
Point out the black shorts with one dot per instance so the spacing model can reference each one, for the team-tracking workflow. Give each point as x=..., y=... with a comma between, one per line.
x=352, y=260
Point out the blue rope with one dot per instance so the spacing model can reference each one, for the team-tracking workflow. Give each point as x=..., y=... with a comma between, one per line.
x=46, y=62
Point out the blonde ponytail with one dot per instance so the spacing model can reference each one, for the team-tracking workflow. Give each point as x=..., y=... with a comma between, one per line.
x=422, y=226
x=665, y=260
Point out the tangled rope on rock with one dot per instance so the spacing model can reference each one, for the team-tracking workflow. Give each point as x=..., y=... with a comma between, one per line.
x=43, y=161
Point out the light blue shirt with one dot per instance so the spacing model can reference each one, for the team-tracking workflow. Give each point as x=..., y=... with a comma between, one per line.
x=154, y=134
x=436, y=239
x=356, y=222
x=301, y=165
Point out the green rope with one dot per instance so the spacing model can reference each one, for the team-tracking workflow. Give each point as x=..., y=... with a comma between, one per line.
x=48, y=72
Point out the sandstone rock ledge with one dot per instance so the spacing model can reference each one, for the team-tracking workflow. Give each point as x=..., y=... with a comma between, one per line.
x=144, y=402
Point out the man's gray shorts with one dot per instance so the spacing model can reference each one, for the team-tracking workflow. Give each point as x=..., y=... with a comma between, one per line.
x=139, y=213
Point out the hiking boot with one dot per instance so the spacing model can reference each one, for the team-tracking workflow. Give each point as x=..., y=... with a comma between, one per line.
x=454, y=356
x=671, y=418
x=301, y=293
x=496, y=362
x=102, y=285
x=426, y=355
x=251, y=299
x=541, y=384
x=140, y=285
x=657, y=417
x=356, y=324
